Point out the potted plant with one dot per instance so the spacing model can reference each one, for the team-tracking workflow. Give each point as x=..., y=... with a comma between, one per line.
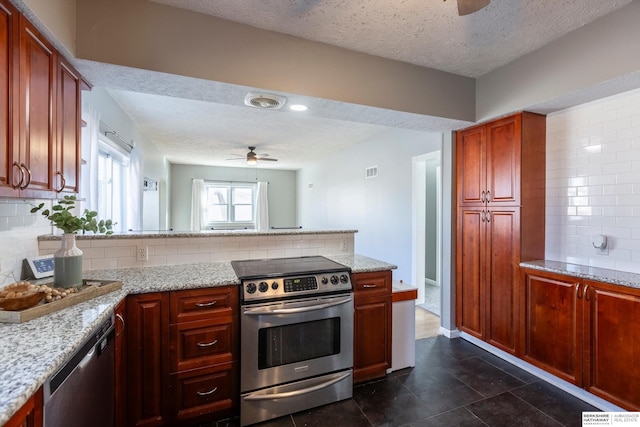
x=67, y=270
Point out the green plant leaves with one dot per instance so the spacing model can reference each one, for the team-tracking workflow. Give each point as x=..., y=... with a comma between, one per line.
x=62, y=218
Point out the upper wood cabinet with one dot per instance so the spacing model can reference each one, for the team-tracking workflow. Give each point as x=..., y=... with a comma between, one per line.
x=500, y=222
x=39, y=113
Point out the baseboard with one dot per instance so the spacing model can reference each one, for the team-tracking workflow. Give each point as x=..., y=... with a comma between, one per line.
x=449, y=333
x=545, y=376
x=430, y=282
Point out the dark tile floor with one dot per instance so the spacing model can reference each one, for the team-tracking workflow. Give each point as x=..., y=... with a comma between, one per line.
x=454, y=383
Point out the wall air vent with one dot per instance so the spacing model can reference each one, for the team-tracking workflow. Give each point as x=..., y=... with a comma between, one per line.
x=264, y=100
x=371, y=172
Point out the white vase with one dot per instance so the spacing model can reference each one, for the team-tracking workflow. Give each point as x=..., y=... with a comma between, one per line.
x=67, y=265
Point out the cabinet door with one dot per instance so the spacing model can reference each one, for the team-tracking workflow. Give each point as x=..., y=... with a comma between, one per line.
x=503, y=274
x=67, y=170
x=372, y=325
x=30, y=414
x=8, y=99
x=121, y=366
x=471, y=166
x=552, y=336
x=147, y=359
x=503, y=161
x=612, y=344
x=37, y=97
x=470, y=271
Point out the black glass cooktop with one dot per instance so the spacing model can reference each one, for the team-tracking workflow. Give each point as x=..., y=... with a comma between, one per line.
x=276, y=267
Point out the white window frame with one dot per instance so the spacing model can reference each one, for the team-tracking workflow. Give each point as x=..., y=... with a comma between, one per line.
x=231, y=223
x=106, y=150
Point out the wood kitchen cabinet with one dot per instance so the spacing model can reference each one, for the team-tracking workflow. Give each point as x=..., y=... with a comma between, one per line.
x=147, y=359
x=612, y=343
x=500, y=169
x=30, y=414
x=204, y=379
x=552, y=320
x=585, y=332
x=39, y=112
x=372, y=324
x=182, y=356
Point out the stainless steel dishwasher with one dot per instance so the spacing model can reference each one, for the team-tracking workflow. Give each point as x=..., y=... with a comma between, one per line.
x=81, y=393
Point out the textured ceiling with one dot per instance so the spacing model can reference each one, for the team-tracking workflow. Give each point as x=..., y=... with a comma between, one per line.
x=176, y=114
x=428, y=33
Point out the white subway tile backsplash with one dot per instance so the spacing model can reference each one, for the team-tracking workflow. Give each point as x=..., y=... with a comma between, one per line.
x=601, y=197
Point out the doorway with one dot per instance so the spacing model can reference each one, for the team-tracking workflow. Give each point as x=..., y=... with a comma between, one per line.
x=427, y=236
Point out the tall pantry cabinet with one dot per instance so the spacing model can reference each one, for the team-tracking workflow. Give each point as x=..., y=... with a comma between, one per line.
x=500, y=186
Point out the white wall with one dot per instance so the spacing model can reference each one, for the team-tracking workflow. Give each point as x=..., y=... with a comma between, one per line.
x=282, y=191
x=593, y=182
x=379, y=208
x=153, y=163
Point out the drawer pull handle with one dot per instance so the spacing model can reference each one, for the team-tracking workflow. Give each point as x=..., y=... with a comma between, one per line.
x=207, y=344
x=206, y=304
x=369, y=286
x=207, y=393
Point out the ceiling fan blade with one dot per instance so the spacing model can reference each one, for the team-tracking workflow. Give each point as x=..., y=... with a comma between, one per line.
x=465, y=7
x=260, y=159
x=236, y=158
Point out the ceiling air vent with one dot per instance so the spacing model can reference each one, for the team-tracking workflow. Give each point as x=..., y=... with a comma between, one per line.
x=371, y=172
x=264, y=100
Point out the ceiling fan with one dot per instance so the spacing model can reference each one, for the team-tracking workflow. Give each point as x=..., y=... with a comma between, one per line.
x=252, y=158
x=466, y=7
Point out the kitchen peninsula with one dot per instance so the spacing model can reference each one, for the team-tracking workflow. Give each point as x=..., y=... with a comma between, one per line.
x=33, y=351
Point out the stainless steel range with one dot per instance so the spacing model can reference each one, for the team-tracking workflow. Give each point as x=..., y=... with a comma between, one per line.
x=296, y=335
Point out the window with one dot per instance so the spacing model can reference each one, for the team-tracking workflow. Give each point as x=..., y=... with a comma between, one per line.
x=230, y=205
x=112, y=178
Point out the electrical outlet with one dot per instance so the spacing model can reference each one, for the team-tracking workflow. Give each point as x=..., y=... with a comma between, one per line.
x=142, y=253
x=343, y=245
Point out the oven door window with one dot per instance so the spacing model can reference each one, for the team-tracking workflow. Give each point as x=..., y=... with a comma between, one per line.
x=282, y=345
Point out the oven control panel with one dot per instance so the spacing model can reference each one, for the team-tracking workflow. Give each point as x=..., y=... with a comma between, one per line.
x=284, y=287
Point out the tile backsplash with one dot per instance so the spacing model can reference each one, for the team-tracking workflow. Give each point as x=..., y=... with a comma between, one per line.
x=593, y=183
x=19, y=230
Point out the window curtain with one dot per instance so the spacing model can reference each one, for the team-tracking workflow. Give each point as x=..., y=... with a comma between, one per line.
x=89, y=171
x=197, y=205
x=133, y=208
x=262, y=207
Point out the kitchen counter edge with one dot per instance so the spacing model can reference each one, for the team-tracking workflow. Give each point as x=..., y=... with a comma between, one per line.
x=55, y=337
x=597, y=274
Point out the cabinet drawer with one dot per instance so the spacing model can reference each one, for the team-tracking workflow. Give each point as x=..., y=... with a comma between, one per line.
x=205, y=394
x=198, y=304
x=371, y=284
x=202, y=343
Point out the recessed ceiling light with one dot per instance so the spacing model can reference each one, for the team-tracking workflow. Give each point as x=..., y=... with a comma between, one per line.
x=298, y=107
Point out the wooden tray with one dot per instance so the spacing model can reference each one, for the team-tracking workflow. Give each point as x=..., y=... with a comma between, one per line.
x=90, y=289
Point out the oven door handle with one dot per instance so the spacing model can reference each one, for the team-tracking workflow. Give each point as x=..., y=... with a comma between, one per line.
x=261, y=311
x=297, y=392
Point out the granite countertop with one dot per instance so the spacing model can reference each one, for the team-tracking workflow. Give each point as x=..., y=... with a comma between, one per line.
x=31, y=352
x=622, y=278
x=204, y=233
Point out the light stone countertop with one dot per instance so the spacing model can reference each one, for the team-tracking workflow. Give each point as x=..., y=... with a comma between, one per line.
x=622, y=278
x=205, y=233
x=31, y=352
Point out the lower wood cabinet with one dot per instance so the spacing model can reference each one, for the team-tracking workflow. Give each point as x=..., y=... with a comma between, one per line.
x=585, y=332
x=182, y=350
x=372, y=325
x=120, y=383
x=30, y=414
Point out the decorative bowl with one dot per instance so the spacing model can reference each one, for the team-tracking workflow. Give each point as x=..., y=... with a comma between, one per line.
x=18, y=297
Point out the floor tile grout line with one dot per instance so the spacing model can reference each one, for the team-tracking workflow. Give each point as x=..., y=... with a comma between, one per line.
x=536, y=408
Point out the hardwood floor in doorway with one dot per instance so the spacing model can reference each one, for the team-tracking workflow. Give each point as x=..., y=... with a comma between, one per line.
x=427, y=324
